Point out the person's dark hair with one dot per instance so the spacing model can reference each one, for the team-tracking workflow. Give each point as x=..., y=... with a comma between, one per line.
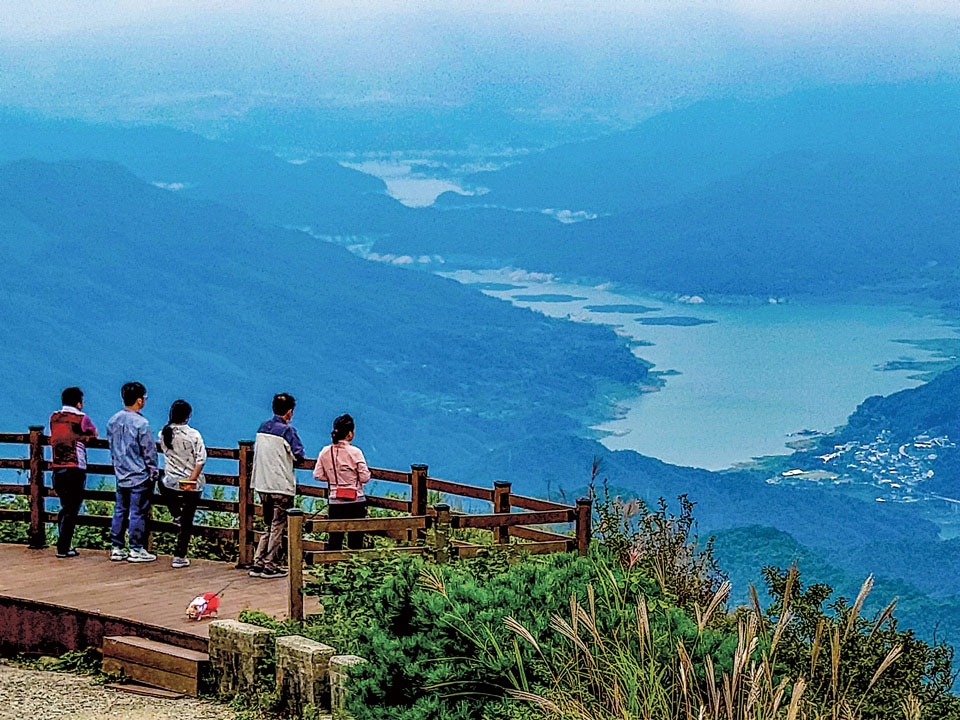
x=283, y=403
x=71, y=396
x=131, y=392
x=180, y=412
x=342, y=427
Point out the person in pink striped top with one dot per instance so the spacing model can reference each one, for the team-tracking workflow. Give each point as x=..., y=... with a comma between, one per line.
x=344, y=469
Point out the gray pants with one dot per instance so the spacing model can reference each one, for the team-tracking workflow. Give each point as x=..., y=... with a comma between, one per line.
x=275, y=519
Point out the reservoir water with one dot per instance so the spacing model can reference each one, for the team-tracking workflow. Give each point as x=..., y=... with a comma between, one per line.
x=740, y=383
x=405, y=180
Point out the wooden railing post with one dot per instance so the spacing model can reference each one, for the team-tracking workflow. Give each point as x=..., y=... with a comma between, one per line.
x=501, y=504
x=584, y=518
x=37, y=537
x=244, y=505
x=295, y=557
x=418, y=497
x=441, y=533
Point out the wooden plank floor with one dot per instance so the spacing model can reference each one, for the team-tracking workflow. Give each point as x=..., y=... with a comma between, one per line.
x=149, y=593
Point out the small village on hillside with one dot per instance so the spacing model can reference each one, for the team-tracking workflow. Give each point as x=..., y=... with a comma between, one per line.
x=896, y=470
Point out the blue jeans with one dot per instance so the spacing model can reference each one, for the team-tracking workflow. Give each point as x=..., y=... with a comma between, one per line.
x=131, y=510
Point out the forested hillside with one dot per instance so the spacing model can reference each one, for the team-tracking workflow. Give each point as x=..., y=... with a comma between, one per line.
x=109, y=278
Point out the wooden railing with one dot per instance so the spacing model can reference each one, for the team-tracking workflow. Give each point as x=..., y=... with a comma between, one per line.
x=512, y=521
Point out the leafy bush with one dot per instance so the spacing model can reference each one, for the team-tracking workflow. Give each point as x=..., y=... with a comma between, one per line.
x=14, y=532
x=662, y=545
x=630, y=632
x=420, y=664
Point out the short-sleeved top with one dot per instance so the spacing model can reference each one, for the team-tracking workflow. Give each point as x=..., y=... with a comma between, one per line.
x=186, y=452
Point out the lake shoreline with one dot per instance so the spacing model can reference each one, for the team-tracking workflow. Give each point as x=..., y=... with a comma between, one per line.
x=929, y=331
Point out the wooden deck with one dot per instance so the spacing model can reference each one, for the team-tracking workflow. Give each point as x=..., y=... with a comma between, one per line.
x=48, y=604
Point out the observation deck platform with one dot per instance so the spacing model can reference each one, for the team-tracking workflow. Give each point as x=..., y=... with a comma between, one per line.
x=52, y=605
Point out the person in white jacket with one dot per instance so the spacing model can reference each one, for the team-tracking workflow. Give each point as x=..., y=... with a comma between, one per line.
x=344, y=469
x=182, y=483
x=275, y=453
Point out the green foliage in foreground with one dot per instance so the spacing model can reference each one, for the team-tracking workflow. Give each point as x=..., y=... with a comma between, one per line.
x=626, y=633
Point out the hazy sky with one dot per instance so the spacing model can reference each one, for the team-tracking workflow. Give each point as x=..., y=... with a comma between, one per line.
x=51, y=17
x=46, y=17
x=615, y=62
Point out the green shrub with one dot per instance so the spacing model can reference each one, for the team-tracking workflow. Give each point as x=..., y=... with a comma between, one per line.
x=14, y=532
x=420, y=663
x=616, y=635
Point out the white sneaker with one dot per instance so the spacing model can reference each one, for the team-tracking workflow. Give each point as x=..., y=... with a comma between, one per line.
x=138, y=555
x=180, y=562
x=118, y=554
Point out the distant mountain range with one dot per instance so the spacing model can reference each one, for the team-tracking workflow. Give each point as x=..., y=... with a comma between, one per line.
x=107, y=278
x=320, y=192
x=825, y=191
x=821, y=191
x=175, y=269
x=674, y=154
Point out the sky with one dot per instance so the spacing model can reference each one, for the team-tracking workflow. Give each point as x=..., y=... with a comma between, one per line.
x=46, y=18
x=571, y=62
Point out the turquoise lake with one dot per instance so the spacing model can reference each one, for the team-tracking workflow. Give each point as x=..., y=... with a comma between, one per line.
x=746, y=380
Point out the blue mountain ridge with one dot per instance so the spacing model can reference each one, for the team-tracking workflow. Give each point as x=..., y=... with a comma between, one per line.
x=670, y=155
x=110, y=278
x=198, y=299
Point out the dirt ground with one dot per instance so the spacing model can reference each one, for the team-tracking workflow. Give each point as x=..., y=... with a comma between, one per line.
x=38, y=695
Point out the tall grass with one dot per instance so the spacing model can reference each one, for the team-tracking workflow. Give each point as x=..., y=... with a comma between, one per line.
x=652, y=639
x=636, y=669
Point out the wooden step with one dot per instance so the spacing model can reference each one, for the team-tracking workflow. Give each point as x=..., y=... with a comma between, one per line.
x=154, y=663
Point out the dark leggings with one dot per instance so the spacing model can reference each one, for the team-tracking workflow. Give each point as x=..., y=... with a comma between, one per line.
x=184, y=505
x=346, y=511
x=68, y=483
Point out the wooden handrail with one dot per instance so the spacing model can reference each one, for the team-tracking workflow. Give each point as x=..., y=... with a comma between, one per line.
x=495, y=520
x=455, y=488
x=506, y=523
x=396, y=476
x=368, y=524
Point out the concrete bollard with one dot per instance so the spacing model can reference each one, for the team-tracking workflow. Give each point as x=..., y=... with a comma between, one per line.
x=339, y=669
x=236, y=649
x=302, y=673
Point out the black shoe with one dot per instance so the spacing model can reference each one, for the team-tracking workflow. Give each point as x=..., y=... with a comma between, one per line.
x=72, y=552
x=269, y=573
x=256, y=571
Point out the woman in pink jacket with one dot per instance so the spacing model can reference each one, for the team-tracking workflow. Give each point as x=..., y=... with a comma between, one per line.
x=344, y=469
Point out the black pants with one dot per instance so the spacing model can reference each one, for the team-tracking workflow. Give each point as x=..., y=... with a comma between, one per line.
x=68, y=483
x=182, y=504
x=346, y=511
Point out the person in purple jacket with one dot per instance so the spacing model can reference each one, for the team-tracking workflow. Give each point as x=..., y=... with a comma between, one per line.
x=70, y=428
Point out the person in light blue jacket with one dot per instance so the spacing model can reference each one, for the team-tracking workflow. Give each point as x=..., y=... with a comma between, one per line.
x=134, y=453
